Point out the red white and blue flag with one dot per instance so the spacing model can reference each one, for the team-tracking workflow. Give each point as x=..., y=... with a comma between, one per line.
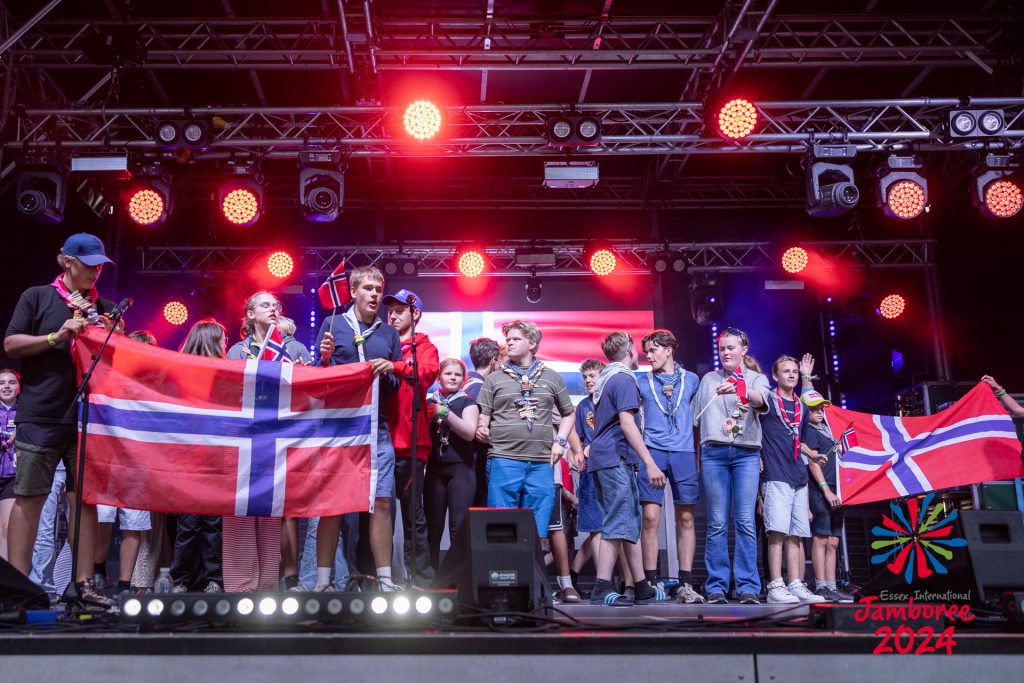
x=171, y=432
x=274, y=348
x=737, y=379
x=887, y=457
x=334, y=293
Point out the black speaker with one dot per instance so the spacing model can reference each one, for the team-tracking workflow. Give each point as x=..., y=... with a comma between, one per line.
x=16, y=590
x=496, y=565
x=995, y=545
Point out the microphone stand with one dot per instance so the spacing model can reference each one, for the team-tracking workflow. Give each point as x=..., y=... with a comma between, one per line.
x=414, y=466
x=71, y=593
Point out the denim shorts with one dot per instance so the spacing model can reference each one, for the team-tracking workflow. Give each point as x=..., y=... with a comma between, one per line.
x=618, y=500
x=131, y=520
x=589, y=520
x=786, y=508
x=681, y=471
x=385, y=464
x=828, y=521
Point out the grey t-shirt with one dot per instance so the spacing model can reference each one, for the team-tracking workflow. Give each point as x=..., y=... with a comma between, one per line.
x=712, y=422
x=510, y=435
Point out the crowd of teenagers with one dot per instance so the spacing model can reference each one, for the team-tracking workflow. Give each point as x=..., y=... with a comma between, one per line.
x=502, y=434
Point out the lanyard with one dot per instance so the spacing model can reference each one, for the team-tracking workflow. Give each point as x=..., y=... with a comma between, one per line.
x=527, y=382
x=672, y=410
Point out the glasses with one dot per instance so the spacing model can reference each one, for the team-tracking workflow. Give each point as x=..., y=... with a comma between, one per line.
x=732, y=332
x=268, y=306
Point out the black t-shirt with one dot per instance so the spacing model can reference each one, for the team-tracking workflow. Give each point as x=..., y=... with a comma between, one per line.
x=458, y=450
x=815, y=439
x=777, y=446
x=47, y=380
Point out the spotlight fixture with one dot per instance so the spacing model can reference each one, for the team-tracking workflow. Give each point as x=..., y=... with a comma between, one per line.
x=573, y=130
x=422, y=120
x=794, y=260
x=668, y=262
x=736, y=119
x=534, y=289
x=280, y=264
x=706, y=304
x=41, y=192
x=240, y=197
x=321, y=185
x=175, y=313
x=149, y=201
x=601, y=260
x=974, y=123
x=399, y=266
x=472, y=262
x=830, y=186
x=892, y=306
x=902, y=191
x=996, y=191
x=571, y=175
x=177, y=133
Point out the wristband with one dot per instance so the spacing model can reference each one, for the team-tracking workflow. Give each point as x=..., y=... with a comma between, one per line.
x=442, y=412
x=562, y=441
x=823, y=484
x=1001, y=393
x=50, y=340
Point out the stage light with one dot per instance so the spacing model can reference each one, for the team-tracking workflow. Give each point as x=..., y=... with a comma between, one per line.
x=132, y=608
x=534, y=289
x=892, y=306
x=445, y=605
x=422, y=120
x=472, y=263
x=902, y=191
x=149, y=202
x=976, y=123
x=334, y=606
x=41, y=193
x=200, y=608
x=602, y=261
x=321, y=187
x=289, y=606
x=241, y=206
x=177, y=133
x=280, y=264
x=357, y=606
x=737, y=119
x=312, y=606
x=996, y=191
x=424, y=604
x=155, y=608
x=175, y=312
x=665, y=261
x=830, y=186
x=177, y=608
x=379, y=605
x=706, y=303
x=401, y=605
x=268, y=606
x=794, y=260
x=245, y=606
x=573, y=130
x=222, y=608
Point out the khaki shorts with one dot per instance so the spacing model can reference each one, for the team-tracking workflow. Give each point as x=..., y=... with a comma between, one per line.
x=37, y=464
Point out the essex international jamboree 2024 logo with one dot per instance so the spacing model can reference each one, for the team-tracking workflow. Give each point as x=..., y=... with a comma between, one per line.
x=916, y=543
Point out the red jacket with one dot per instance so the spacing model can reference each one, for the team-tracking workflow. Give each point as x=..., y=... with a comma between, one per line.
x=399, y=406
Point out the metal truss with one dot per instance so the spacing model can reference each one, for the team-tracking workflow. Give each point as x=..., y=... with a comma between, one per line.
x=518, y=130
x=496, y=43
x=440, y=258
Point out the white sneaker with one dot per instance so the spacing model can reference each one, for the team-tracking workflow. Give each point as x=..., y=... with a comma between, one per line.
x=323, y=588
x=778, y=594
x=803, y=593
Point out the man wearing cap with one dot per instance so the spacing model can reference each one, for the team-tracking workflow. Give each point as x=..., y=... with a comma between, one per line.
x=405, y=308
x=46, y=320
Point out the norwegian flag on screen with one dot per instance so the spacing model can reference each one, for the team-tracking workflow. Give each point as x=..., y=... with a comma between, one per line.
x=741, y=384
x=171, y=432
x=890, y=457
x=334, y=293
x=274, y=348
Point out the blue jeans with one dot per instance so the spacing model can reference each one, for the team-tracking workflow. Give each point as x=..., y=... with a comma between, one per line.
x=44, y=553
x=522, y=484
x=730, y=476
x=344, y=557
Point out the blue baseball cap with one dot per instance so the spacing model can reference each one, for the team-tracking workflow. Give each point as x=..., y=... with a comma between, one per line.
x=86, y=248
x=402, y=297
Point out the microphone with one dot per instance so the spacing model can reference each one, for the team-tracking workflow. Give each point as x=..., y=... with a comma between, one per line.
x=120, y=309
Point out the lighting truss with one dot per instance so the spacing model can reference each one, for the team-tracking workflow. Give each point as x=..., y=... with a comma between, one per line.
x=518, y=130
x=440, y=258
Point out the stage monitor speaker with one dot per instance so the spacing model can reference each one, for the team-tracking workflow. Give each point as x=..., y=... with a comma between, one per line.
x=16, y=590
x=496, y=565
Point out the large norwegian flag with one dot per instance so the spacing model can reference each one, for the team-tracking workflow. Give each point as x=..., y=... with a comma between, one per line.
x=890, y=457
x=170, y=432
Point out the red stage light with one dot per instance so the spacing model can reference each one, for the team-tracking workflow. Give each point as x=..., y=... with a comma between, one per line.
x=1003, y=198
x=471, y=263
x=892, y=306
x=794, y=260
x=280, y=264
x=422, y=120
x=241, y=206
x=737, y=118
x=146, y=206
x=603, y=262
x=175, y=312
x=906, y=199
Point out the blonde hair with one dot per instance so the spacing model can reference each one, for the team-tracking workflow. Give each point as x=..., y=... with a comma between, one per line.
x=779, y=361
x=206, y=338
x=286, y=325
x=529, y=329
x=248, y=326
x=356, y=277
x=452, y=361
x=749, y=361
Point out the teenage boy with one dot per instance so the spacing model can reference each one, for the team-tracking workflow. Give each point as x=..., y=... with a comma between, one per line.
x=827, y=522
x=485, y=354
x=516, y=406
x=666, y=392
x=401, y=316
x=46, y=320
x=615, y=453
x=359, y=335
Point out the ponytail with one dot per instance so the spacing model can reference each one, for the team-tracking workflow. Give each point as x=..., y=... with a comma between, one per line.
x=750, y=363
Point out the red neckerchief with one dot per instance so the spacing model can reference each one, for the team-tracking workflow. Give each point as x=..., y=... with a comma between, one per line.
x=792, y=425
x=62, y=290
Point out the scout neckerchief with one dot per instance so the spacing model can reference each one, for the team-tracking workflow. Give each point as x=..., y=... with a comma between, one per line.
x=668, y=389
x=80, y=303
x=443, y=400
x=357, y=336
x=527, y=380
x=792, y=425
x=607, y=373
x=254, y=349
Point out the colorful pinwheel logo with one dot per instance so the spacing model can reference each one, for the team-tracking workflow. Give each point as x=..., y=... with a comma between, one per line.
x=915, y=541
